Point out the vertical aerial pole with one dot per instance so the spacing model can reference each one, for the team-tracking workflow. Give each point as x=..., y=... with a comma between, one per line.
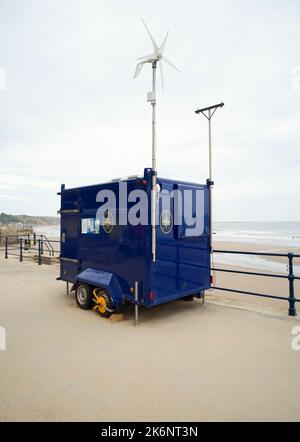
x=210, y=112
x=154, y=172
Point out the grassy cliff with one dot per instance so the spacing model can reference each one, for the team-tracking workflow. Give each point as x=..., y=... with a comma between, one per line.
x=31, y=220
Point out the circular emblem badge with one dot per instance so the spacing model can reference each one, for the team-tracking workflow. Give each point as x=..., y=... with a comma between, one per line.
x=166, y=221
x=108, y=223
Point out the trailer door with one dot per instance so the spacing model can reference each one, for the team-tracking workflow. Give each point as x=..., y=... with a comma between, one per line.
x=182, y=266
x=69, y=246
x=70, y=224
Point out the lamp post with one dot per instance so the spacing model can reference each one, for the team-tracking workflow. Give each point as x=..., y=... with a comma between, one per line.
x=209, y=112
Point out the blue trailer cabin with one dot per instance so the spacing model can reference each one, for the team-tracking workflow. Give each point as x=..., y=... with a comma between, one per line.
x=104, y=260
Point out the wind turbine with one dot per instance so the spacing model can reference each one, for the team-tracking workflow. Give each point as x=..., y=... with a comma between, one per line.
x=156, y=57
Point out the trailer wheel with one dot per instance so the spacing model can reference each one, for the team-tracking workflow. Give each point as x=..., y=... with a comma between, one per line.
x=84, y=296
x=188, y=298
x=103, y=303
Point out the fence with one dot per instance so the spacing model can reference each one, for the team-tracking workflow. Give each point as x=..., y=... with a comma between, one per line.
x=17, y=246
x=290, y=277
x=42, y=245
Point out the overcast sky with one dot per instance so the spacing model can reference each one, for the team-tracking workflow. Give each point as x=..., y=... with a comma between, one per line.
x=71, y=112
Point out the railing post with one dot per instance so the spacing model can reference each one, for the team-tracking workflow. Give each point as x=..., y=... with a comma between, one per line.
x=292, y=308
x=40, y=257
x=136, y=302
x=42, y=246
x=21, y=249
x=6, y=247
x=34, y=239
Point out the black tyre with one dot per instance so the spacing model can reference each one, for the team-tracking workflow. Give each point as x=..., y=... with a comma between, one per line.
x=84, y=296
x=103, y=303
x=188, y=298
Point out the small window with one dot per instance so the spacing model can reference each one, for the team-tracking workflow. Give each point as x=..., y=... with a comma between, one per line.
x=90, y=226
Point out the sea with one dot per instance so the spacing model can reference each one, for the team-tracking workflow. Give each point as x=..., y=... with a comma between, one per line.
x=268, y=236
x=277, y=233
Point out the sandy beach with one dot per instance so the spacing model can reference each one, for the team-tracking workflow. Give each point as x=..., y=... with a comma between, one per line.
x=230, y=359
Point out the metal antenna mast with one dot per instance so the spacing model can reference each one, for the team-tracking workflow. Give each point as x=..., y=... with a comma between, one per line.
x=208, y=112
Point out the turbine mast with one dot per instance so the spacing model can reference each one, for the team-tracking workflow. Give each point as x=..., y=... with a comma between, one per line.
x=154, y=171
x=156, y=57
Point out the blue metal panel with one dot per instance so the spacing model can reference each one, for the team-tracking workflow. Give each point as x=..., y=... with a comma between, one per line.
x=70, y=235
x=183, y=263
x=122, y=252
x=68, y=270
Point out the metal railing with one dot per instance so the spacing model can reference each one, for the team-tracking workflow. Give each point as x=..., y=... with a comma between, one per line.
x=37, y=243
x=291, y=277
x=24, y=244
x=47, y=243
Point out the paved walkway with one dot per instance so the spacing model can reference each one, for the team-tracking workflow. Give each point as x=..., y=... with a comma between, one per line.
x=184, y=361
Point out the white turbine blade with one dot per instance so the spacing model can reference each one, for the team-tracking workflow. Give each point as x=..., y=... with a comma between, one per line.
x=138, y=69
x=156, y=48
x=161, y=74
x=170, y=64
x=162, y=46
